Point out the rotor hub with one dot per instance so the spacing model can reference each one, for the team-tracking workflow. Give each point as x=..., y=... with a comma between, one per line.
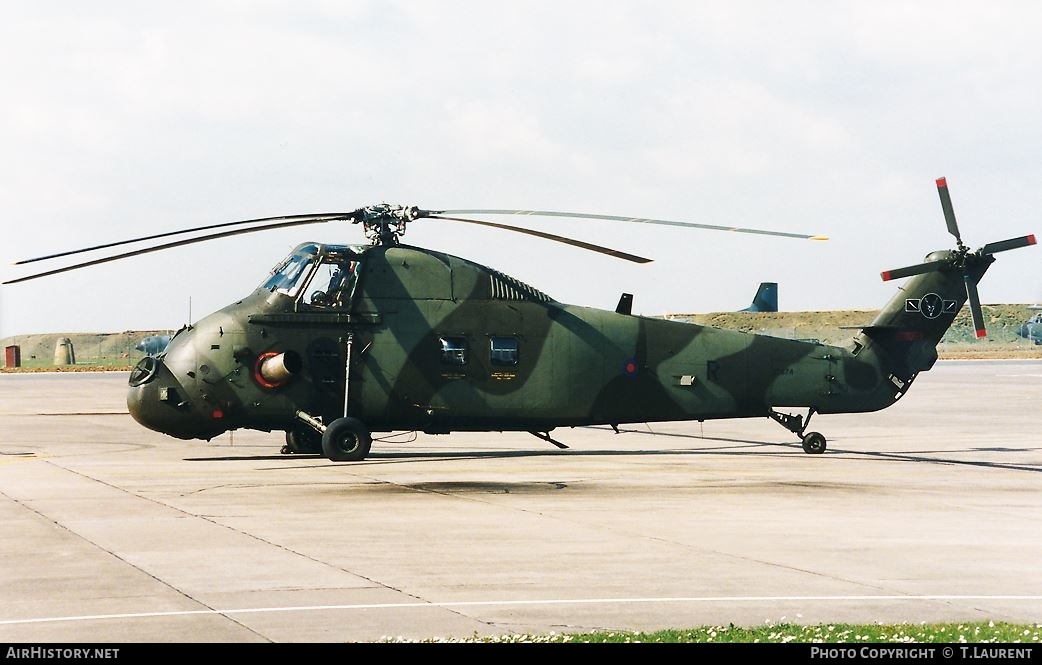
x=384, y=223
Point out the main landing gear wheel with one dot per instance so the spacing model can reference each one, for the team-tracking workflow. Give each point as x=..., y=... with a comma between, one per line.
x=814, y=443
x=346, y=440
x=302, y=442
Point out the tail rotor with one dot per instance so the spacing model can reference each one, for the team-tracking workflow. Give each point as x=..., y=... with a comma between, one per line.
x=962, y=259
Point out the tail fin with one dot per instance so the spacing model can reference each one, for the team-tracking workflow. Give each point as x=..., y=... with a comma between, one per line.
x=765, y=300
x=907, y=330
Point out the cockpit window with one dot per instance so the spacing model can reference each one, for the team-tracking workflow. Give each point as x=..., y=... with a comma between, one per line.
x=333, y=282
x=289, y=277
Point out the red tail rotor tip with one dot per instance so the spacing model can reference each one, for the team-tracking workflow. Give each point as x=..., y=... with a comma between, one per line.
x=1031, y=239
x=982, y=333
x=885, y=275
x=942, y=182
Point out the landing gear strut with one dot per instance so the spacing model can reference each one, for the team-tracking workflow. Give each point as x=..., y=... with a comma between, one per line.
x=545, y=436
x=345, y=439
x=814, y=443
x=304, y=436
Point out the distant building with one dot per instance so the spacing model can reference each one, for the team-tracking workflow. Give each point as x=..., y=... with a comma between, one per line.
x=64, y=354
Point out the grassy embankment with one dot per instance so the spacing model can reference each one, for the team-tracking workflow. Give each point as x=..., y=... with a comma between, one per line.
x=93, y=351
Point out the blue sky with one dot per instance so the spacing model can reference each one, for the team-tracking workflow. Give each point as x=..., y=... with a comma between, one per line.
x=125, y=119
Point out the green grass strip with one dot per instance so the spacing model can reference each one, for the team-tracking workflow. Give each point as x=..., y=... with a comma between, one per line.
x=833, y=633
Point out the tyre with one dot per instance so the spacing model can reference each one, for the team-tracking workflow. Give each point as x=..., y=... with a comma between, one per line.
x=346, y=440
x=814, y=443
x=303, y=441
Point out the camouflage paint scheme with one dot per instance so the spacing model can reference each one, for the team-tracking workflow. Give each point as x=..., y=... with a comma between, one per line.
x=575, y=365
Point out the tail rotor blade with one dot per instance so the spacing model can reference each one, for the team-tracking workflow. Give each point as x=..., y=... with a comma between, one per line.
x=908, y=271
x=1005, y=245
x=975, y=310
x=946, y=205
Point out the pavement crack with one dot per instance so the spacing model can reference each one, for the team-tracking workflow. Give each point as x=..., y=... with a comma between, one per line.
x=116, y=556
x=252, y=536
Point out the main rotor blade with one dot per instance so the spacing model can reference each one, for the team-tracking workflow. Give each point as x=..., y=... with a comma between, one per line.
x=975, y=310
x=170, y=245
x=550, y=236
x=1005, y=245
x=639, y=220
x=908, y=271
x=315, y=216
x=946, y=205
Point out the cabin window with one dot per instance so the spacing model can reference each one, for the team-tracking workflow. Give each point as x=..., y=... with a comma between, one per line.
x=503, y=350
x=453, y=351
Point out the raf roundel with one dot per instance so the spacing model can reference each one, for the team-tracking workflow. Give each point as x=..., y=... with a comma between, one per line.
x=629, y=368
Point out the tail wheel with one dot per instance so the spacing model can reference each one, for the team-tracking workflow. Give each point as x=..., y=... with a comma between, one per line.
x=814, y=443
x=346, y=440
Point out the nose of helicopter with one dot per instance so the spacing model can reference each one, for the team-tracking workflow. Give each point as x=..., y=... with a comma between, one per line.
x=158, y=401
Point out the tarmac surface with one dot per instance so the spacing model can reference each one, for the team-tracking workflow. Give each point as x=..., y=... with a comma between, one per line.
x=928, y=511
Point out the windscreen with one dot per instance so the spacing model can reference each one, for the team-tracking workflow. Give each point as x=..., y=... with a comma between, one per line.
x=289, y=277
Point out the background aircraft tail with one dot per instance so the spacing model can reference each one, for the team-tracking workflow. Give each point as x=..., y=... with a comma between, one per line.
x=765, y=300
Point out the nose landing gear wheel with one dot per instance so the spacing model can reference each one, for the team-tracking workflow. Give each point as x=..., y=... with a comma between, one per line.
x=346, y=440
x=814, y=443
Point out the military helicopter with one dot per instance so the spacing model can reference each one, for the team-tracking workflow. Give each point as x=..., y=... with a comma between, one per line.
x=153, y=345
x=340, y=341
x=1032, y=328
